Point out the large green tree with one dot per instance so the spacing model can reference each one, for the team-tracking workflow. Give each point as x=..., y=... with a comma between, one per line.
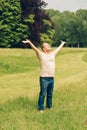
x=12, y=30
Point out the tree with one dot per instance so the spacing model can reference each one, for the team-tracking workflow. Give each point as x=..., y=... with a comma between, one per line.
x=82, y=26
x=12, y=30
x=40, y=25
x=72, y=27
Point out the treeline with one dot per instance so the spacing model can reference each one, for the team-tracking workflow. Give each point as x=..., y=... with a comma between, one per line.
x=70, y=26
x=23, y=19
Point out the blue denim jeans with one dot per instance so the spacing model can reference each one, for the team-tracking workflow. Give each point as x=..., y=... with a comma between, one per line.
x=46, y=89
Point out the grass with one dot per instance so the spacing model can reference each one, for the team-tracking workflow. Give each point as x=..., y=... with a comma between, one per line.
x=19, y=89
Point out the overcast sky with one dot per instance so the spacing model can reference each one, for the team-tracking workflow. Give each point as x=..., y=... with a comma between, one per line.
x=62, y=5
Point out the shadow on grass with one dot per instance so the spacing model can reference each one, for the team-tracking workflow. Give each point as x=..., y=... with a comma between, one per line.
x=18, y=104
x=84, y=58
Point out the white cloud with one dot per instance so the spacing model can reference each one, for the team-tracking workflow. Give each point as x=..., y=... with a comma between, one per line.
x=71, y=5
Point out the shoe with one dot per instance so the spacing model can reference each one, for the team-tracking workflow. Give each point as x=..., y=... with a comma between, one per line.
x=41, y=111
x=49, y=108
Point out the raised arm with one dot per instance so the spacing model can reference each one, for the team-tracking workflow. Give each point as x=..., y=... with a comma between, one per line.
x=59, y=47
x=32, y=45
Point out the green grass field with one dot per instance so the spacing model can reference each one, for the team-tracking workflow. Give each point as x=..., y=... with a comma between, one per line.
x=19, y=89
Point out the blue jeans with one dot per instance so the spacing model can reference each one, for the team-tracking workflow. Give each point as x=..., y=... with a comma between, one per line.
x=46, y=89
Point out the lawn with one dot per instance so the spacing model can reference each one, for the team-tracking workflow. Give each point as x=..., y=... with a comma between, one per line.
x=19, y=89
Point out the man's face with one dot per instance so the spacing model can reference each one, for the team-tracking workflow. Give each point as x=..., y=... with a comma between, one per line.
x=46, y=47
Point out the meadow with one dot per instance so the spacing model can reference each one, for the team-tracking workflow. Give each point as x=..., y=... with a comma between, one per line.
x=19, y=90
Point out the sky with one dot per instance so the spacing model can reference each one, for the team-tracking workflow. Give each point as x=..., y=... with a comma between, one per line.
x=64, y=5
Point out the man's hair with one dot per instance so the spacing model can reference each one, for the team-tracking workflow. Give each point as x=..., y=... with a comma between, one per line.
x=42, y=45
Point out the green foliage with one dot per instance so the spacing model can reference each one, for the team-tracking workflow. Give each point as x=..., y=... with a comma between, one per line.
x=54, y=15
x=46, y=22
x=82, y=25
x=70, y=26
x=12, y=30
x=52, y=12
x=30, y=19
x=48, y=36
x=48, y=33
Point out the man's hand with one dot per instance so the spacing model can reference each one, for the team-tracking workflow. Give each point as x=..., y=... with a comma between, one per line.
x=26, y=41
x=32, y=45
x=63, y=42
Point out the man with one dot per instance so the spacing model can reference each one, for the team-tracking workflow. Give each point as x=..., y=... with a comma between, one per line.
x=47, y=66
